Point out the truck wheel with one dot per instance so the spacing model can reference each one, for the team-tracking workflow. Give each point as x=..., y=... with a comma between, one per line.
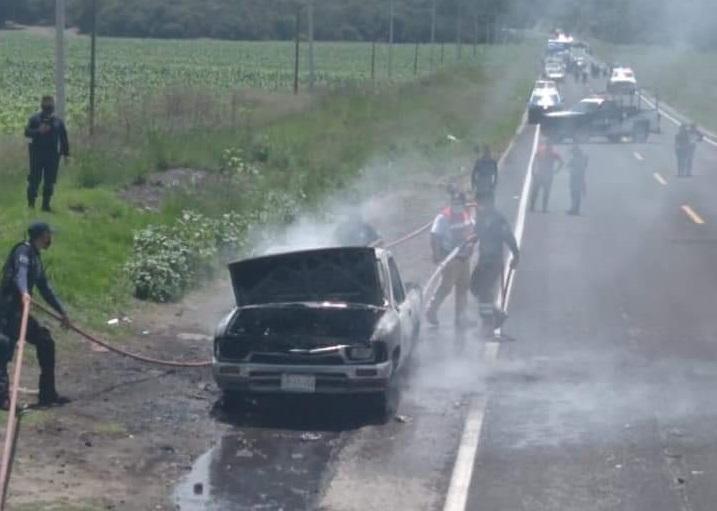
x=383, y=404
x=581, y=137
x=233, y=401
x=640, y=134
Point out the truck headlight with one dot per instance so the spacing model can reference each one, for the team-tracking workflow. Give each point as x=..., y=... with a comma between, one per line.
x=361, y=353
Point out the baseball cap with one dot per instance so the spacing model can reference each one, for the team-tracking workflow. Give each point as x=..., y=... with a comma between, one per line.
x=37, y=229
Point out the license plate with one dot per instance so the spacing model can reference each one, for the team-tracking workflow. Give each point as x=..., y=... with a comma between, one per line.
x=298, y=383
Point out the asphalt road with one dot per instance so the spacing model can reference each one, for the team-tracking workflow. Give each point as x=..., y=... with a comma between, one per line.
x=602, y=400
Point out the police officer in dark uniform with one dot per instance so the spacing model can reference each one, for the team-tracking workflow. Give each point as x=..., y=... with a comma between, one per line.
x=492, y=231
x=682, y=149
x=484, y=178
x=48, y=141
x=22, y=272
x=577, y=166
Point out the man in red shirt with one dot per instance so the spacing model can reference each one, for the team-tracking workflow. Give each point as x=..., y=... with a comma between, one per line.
x=547, y=163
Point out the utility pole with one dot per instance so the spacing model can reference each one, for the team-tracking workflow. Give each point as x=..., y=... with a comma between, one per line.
x=390, y=38
x=415, y=60
x=296, y=49
x=373, y=62
x=312, y=76
x=459, y=35
x=60, y=57
x=433, y=32
x=93, y=67
x=475, y=34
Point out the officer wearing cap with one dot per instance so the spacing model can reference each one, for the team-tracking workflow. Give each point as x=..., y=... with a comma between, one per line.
x=22, y=272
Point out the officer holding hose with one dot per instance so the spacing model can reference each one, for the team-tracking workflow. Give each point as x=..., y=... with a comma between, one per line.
x=22, y=272
x=451, y=229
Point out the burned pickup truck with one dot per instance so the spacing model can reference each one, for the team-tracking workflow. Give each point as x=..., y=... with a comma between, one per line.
x=328, y=321
x=605, y=116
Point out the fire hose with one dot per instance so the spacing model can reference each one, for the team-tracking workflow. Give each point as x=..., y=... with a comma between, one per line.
x=11, y=428
x=119, y=351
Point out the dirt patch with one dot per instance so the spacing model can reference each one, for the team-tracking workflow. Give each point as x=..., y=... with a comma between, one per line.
x=150, y=192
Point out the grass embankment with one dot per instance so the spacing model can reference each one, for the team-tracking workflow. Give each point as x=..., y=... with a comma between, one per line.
x=304, y=148
x=683, y=77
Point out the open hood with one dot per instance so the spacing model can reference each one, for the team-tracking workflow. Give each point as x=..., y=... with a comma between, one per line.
x=337, y=275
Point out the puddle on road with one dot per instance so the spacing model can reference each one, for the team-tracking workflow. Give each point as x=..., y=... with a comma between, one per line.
x=257, y=469
x=274, y=457
x=187, y=496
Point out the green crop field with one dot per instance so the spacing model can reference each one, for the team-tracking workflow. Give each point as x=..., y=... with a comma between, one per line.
x=132, y=69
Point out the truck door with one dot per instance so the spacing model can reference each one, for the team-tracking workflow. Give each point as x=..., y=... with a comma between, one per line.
x=403, y=307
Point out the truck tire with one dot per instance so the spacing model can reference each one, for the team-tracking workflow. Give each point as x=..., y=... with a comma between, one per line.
x=640, y=133
x=581, y=137
x=384, y=404
x=233, y=401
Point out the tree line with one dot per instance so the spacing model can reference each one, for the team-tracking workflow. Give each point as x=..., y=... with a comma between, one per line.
x=622, y=21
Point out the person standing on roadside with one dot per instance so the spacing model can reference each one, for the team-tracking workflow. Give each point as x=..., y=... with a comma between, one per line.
x=577, y=166
x=682, y=148
x=547, y=163
x=23, y=270
x=452, y=229
x=694, y=136
x=48, y=141
x=492, y=232
x=484, y=178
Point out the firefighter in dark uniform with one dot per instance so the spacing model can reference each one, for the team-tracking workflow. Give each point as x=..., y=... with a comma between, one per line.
x=354, y=231
x=694, y=136
x=48, y=141
x=492, y=231
x=577, y=166
x=22, y=272
x=484, y=178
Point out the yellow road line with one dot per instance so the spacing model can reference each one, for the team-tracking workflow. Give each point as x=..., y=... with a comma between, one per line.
x=692, y=214
x=658, y=177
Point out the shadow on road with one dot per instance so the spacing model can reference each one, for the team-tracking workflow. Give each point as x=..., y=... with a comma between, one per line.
x=299, y=412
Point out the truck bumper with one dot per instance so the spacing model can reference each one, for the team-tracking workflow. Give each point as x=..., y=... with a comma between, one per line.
x=267, y=378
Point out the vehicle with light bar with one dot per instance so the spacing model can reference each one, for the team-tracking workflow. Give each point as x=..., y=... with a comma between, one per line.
x=326, y=321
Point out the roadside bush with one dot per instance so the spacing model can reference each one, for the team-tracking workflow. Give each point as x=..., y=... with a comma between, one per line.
x=167, y=260
x=235, y=162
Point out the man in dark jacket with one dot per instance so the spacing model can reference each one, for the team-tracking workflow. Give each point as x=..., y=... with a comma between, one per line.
x=23, y=270
x=48, y=141
x=485, y=174
x=682, y=143
x=577, y=166
x=492, y=232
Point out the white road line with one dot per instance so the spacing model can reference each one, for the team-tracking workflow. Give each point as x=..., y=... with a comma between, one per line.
x=638, y=156
x=462, y=474
x=692, y=214
x=658, y=177
x=465, y=460
x=523, y=206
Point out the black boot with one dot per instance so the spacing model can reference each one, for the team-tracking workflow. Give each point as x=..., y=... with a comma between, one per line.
x=46, y=204
x=48, y=394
